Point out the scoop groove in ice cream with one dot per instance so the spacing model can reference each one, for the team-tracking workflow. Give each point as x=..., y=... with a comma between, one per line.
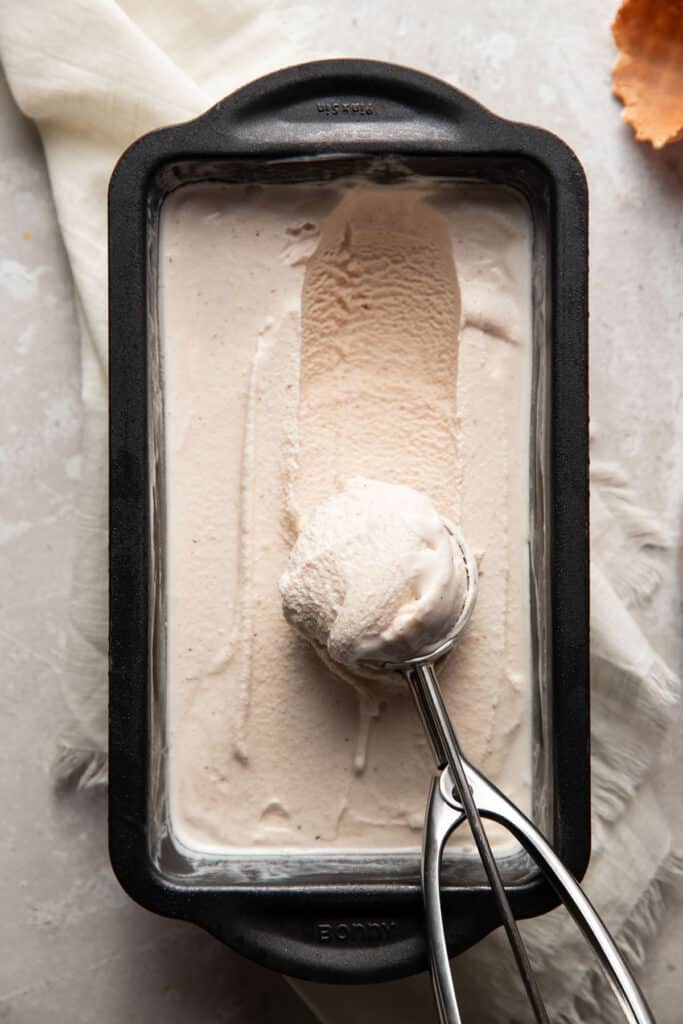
x=375, y=575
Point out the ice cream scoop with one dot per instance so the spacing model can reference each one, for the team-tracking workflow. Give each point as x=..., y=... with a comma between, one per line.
x=376, y=576
x=380, y=581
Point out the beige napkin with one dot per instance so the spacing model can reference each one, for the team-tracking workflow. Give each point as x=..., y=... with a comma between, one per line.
x=94, y=75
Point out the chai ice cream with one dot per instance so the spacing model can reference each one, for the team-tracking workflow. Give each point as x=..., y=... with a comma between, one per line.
x=375, y=577
x=311, y=335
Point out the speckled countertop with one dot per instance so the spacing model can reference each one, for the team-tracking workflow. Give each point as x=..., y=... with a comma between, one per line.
x=74, y=947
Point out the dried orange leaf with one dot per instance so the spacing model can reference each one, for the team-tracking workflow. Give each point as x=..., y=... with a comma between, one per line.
x=648, y=73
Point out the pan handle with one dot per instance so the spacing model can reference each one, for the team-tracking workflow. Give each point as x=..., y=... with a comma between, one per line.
x=333, y=105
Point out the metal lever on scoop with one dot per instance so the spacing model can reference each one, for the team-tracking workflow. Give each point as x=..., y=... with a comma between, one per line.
x=427, y=695
x=440, y=821
x=493, y=805
x=445, y=812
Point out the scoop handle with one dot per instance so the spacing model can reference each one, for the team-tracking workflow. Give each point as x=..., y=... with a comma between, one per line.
x=429, y=699
x=494, y=805
x=440, y=821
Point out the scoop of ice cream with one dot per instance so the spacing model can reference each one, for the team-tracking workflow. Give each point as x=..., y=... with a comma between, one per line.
x=375, y=575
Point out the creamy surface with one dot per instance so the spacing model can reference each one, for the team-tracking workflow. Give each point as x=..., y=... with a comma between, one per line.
x=375, y=576
x=311, y=335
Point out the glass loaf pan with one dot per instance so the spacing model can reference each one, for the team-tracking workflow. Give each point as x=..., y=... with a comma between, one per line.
x=337, y=916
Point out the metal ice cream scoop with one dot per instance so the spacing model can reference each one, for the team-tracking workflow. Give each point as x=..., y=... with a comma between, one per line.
x=460, y=792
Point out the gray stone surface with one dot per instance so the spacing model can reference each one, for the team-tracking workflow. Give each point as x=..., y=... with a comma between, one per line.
x=74, y=948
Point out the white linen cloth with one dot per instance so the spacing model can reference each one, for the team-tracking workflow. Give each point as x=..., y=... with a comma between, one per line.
x=94, y=75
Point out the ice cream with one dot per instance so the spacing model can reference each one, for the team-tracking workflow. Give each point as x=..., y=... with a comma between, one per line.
x=375, y=576
x=310, y=335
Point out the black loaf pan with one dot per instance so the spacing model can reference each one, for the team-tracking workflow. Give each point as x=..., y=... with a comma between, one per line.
x=324, y=121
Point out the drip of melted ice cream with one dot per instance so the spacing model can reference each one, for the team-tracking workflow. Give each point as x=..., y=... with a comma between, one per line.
x=375, y=576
